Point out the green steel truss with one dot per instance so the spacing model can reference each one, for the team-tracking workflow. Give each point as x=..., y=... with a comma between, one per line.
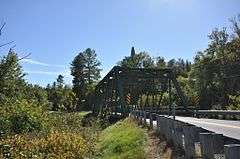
x=124, y=89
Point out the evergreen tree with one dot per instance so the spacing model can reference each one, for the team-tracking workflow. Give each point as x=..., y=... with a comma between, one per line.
x=160, y=62
x=60, y=81
x=132, y=53
x=11, y=76
x=86, y=72
x=140, y=60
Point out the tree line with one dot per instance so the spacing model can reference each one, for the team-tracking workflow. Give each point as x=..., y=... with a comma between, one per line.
x=210, y=81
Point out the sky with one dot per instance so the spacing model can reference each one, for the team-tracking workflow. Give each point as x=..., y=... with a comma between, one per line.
x=55, y=31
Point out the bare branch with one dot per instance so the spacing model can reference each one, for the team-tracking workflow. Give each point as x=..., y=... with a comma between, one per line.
x=24, y=57
x=2, y=28
x=6, y=43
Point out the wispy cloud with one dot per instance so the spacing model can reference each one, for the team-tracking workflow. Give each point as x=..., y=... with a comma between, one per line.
x=35, y=62
x=65, y=73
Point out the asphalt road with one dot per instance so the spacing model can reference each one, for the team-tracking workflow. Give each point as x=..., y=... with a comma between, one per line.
x=229, y=128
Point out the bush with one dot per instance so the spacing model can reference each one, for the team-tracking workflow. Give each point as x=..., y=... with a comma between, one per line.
x=234, y=102
x=20, y=116
x=55, y=144
x=122, y=140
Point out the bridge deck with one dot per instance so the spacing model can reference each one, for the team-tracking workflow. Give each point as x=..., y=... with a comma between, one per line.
x=229, y=128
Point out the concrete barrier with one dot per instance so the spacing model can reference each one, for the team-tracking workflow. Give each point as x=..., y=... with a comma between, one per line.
x=151, y=120
x=161, y=125
x=191, y=136
x=178, y=133
x=188, y=137
x=170, y=129
x=144, y=118
x=141, y=117
x=212, y=145
x=232, y=151
x=158, y=118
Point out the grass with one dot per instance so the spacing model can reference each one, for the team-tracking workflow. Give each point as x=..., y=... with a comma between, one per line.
x=123, y=140
x=77, y=135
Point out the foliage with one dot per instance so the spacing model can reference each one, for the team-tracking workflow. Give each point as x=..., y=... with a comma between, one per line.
x=86, y=72
x=61, y=96
x=11, y=76
x=122, y=140
x=20, y=116
x=216, y=69
x=65, y=137
x=52, y=145
x=140, y=60
x=235, y=102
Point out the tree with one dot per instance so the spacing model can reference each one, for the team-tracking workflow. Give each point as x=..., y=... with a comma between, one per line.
x=61, y=96
x=11, y=75
x=133, y=52
x=140, y=60
x=60, y=81
x=160, y=62
x=92, y=71
x=86, y=72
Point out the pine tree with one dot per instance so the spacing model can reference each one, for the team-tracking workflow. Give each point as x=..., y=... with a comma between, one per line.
x=60, y=81
x=11, y=76
x=85, y=71
x=132, y=53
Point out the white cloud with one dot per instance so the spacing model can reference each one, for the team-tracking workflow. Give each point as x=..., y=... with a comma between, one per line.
x=35, y=62
x=65, y=73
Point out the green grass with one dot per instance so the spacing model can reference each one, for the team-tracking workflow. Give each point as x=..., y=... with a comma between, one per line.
x=123, y=140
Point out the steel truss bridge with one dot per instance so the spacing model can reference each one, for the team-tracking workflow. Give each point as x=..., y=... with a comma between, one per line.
x=149, y=89
x=154, y=97
x=124, y=89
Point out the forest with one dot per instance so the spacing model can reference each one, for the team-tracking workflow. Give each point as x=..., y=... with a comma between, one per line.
x=45, y=120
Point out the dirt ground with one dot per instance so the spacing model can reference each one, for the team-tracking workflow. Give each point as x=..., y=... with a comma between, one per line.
x=158, y=148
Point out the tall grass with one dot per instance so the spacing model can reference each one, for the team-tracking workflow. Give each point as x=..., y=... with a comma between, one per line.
x=123, y=140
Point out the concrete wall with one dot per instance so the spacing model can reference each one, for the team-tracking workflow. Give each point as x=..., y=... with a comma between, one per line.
x=189, y=137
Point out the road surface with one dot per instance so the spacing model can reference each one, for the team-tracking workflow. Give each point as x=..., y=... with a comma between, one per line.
x=229, y=128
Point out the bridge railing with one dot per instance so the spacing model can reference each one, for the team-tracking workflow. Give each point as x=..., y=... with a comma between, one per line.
x=192, y=111
x=235, y=114
x=195, y=141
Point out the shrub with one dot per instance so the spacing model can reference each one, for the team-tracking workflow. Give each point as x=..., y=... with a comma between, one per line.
x=19, y=116
x=55, y=144
x=234, y=102
x=122, y=140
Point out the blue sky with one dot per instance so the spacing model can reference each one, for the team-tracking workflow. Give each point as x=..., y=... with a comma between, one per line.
x=54, y=31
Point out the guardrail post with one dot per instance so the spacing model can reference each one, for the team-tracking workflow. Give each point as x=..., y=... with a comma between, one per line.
x=140, y=117
x=232, y=151
x=158, y=123
x=191, y=136
x=151, y=120
x=144, y=118
x=211, y=145
x=133, y=114
x=137, y=115
x=178, y=133
x=161, y=124
x=169, y=129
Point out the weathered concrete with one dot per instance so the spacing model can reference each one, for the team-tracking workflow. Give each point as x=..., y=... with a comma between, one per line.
x=178, y=133
x=144, y=118
x=211, y=144
x=191, y=136
x=232, y=151
x=151, y=120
